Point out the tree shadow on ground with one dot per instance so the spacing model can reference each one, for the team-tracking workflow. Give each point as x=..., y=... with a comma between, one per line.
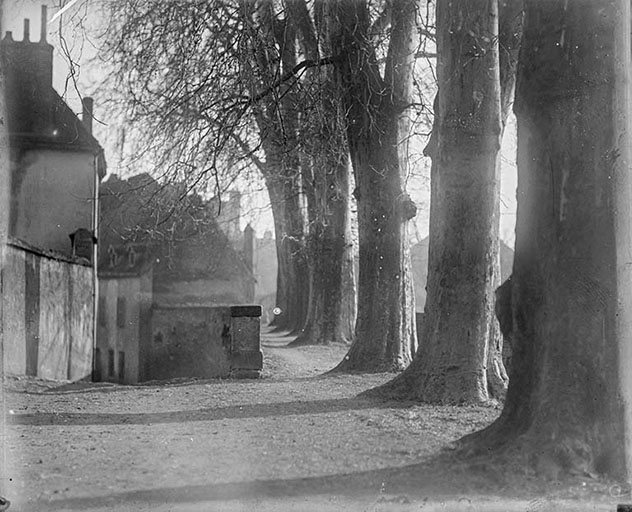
x=112, y=387
x=289, y=345
x=245, y=411
x=444, y=476
x=276, y=338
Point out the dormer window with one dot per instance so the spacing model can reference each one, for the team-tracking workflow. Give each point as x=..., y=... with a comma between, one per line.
x=112, y=256
x=132, y=256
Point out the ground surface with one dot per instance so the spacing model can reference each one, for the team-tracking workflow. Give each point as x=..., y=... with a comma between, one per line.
x=293, y=440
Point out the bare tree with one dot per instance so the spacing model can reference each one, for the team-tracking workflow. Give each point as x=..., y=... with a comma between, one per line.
x=208, y=81
x=215, y=80
x=463, y=249
x=459, y=358
x=325, y=167
x=268, y=55
x=568, y=404
x=5, y=184
x=374, y=70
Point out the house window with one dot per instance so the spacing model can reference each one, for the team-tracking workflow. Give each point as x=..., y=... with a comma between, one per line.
x=131, y=257
x=121, y=366
x=110, y=363
x=101, y=311
x=120, y=311
x=113, y=260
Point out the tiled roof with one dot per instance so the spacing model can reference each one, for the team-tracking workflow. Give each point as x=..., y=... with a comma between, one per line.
x=179, y=232
x=125, y=260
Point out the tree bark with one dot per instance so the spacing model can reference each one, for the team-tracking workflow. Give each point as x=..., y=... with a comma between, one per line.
x=451, y=364
x=292, y=269
x=273, y=51
x=325, y=170
x=332, y=298
x=510, y=19
x=510, y=26
x=568, y=403
x=385, y=336
x=331, y=312
x=5, y=184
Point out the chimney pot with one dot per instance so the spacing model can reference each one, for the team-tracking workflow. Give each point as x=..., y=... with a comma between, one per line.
x=86, y=116
x=44, y=21
x=8, y=36
x=27, y=31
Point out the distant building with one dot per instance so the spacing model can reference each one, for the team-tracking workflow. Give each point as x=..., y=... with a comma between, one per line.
x=55, y=160
x=56, y=164
x=260, y=253
x=160, y=248
x=124, y=312
x=265, y=270
x=228, y=215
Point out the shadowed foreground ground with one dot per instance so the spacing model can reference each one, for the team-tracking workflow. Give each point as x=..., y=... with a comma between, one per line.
x=294, y=440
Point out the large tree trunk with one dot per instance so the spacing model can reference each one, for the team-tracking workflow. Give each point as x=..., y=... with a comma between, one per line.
x=329, y=247
x=451, y=364
x=325, y=171
x=274, y=52
x=292, y=270
x=568, y=406
x=385, y=336
x=330, y=259
x=510, y=19
x=5, y=185
x=460, y=357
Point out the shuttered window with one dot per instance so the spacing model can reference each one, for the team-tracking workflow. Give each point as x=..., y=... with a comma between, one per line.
x=121, y=314
x=121, y=366
x=102, y=312
x=110, y=363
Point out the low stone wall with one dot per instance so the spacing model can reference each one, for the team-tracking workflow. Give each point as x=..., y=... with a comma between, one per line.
x=48, y=312
x=203, y=342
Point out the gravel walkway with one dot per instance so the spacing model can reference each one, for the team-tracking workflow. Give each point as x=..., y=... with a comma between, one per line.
x=293, y=440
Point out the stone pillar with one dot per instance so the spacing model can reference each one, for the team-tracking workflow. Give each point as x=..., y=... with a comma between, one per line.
x=246, y=360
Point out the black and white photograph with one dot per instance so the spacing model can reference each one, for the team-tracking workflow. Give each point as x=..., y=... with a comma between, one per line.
x=316, y=255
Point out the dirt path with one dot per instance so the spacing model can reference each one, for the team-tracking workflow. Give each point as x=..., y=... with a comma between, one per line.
x=293, y=440
x=283, y=361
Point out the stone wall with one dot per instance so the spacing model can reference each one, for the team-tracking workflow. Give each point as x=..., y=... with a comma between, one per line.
x=204, y=342
x=208, y=291
x=48, y=310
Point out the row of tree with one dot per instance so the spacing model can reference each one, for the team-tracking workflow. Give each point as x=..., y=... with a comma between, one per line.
x=303, y=88
x=567, y=407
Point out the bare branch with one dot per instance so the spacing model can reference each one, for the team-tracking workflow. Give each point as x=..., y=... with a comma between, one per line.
x=291, y=74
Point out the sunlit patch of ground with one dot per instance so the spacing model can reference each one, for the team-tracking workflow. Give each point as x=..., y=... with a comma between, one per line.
x=293, y=440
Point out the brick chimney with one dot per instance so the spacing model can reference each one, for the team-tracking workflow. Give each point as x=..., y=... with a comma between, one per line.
x=28, y=69
x=28, y=61
x=87, y=113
